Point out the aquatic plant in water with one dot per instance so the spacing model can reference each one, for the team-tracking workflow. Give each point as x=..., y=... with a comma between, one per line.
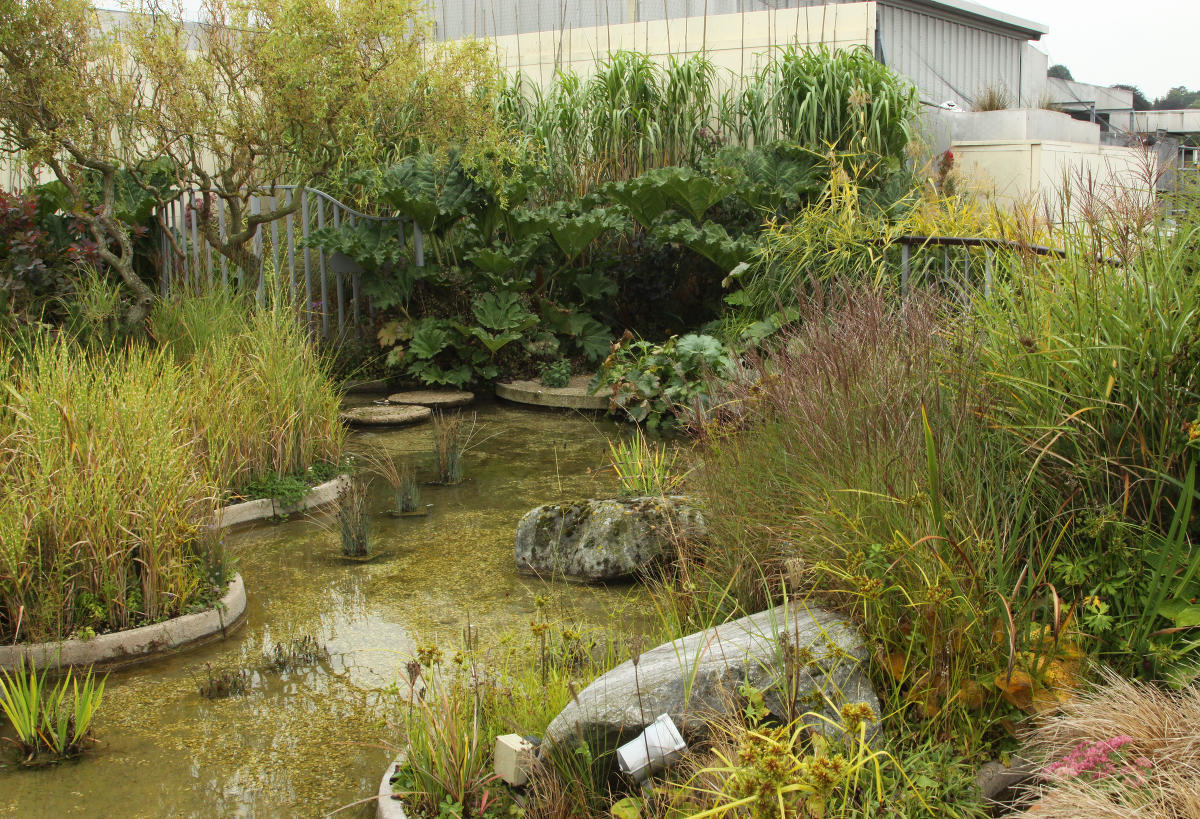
x=406, y=491
x=297, y=653
x=401, y=476
x=353, y=518
x=45, y=720
x=452, y=438
x=643, y=468
x=224, y=682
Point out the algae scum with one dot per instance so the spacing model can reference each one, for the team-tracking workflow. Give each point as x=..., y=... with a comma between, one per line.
x=311, y=739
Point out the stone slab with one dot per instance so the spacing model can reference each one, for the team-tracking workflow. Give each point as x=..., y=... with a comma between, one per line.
x=573, y=396
x=137, y=645
x=387, y=415
x=434, y=399
x=266, y=508
x=385, y=806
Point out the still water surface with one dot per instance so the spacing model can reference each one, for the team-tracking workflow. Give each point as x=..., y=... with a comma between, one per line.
x=308, y=742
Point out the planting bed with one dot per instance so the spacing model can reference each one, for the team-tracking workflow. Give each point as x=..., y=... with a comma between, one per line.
x=137, y=645
x=266, y=508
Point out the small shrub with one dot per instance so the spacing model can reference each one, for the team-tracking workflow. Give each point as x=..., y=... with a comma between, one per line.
x=656, y=382
x=556, y=374
x=40, y=257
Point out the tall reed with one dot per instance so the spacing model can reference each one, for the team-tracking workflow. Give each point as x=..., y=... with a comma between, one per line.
x=279, y=405
x=851, y=466
x=354, y=518
x=633, y=115
x=114, y=459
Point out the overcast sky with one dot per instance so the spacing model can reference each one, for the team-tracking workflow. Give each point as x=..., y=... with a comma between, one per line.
x=1153, y=44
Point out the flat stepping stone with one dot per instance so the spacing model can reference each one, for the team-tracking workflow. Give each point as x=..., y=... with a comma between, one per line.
x=573, y=396
x=387, y=415
x=434, y=399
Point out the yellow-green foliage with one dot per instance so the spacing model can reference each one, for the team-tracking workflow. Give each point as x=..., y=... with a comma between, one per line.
x=113, y=461
x=278, y=410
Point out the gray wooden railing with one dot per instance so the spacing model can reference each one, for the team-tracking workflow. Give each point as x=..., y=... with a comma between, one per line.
x=321, y=278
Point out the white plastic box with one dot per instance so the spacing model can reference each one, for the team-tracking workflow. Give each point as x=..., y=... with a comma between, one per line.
x=657, y=747
x=513, y=757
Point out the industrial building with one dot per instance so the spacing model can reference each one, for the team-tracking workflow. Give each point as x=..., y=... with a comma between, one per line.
x=952, y=50
x=955, y=53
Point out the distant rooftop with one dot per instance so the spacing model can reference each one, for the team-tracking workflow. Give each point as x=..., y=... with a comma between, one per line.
x=1031, y=29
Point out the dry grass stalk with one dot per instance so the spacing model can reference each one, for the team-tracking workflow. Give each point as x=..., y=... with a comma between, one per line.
x=1153, y=769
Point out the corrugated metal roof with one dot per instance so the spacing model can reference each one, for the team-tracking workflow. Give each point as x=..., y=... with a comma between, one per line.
x=1028, y=28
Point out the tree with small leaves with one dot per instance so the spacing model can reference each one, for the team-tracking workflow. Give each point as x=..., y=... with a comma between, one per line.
x=71, y=102
x=261, y=93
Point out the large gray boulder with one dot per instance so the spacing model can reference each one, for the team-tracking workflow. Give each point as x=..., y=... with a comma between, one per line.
x=599, y=540
x=699, y=675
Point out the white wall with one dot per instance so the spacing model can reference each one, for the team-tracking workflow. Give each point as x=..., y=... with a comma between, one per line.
x=945, y=128
x=1016, y=172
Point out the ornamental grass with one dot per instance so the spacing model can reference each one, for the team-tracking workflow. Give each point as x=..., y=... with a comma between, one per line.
x=112, y=462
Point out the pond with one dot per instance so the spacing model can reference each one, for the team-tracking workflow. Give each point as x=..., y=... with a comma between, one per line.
x=311, y=741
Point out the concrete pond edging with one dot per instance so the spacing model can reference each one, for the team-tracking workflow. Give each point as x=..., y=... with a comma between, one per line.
x=385, y=806
x=573, y=396
x=145, y=643
x=265, y=508
x=136, y=645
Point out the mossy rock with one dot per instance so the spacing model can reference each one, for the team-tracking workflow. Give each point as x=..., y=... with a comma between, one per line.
x=602, y=540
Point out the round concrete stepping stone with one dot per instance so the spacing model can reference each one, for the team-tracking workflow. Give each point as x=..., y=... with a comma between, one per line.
x=387, y=415
x=434, y=399
x=573, y=396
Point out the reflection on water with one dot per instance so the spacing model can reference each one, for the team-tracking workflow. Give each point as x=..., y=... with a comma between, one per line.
x=308, y=741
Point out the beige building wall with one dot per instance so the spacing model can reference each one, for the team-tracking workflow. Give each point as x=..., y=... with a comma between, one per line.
x=1019, y=172
x=737, y=43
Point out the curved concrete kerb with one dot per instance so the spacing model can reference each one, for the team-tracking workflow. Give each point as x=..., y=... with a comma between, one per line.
x=573, y=396
x=265, y=508
x=140, y=644
x=385, y=806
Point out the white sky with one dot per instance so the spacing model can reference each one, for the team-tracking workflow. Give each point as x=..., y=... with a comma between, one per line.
x=1153, y=44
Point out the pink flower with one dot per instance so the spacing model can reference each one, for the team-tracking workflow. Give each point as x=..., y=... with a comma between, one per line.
x=1098, y=760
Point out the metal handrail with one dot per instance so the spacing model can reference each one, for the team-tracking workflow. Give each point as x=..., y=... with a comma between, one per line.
x=307, y=269
x=978, y=241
